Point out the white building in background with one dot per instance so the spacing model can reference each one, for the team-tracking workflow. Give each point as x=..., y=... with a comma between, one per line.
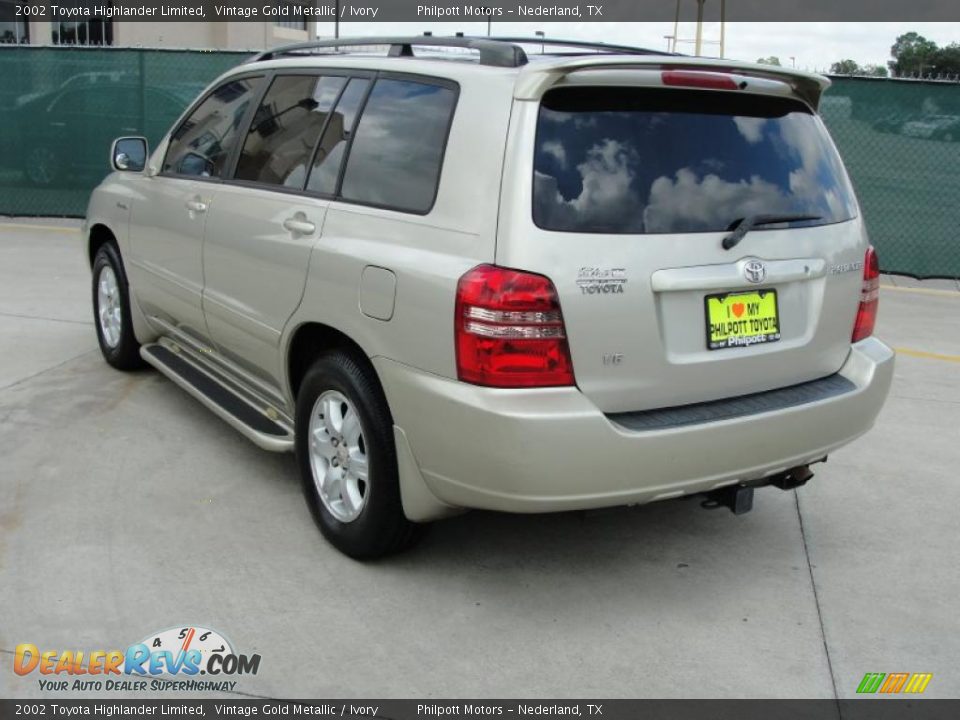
x=247, y=35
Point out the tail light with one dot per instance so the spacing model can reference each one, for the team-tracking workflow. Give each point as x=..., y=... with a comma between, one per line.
x=509, y=330
x=869, y=297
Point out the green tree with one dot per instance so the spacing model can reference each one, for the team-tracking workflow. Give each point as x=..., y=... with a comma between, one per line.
x=772, y=60
x=874, y=71
x=946, y=60
x=845, y=67
x=912, y=54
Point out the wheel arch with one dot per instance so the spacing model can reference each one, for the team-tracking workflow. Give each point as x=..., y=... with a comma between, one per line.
x=312, y=338
x=98, y=236
x=307, y=341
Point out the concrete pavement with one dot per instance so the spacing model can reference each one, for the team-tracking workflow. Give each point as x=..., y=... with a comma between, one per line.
x=126, y=508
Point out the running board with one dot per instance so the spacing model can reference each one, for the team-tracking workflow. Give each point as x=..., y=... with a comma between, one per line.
x=252, y=422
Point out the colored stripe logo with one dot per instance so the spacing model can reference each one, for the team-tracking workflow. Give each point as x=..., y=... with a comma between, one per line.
x=893, y=683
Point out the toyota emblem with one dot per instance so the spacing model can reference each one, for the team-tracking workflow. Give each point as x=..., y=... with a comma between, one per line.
x=755, y=271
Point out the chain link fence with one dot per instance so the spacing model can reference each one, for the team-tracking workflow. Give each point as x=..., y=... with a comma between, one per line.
x=900, y=140
x=61, y=107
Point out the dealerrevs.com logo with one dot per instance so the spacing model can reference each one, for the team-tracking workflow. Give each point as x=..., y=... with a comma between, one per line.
x=171, y=659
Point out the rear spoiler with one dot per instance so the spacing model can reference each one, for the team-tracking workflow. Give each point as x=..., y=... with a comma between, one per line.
x=536, y=78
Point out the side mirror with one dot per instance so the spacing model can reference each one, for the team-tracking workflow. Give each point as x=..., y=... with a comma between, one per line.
x=129, y=154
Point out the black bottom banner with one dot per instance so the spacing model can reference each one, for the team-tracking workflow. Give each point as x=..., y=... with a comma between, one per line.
x=473, y=709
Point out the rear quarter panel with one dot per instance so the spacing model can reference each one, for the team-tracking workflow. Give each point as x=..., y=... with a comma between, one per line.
x=427, y=253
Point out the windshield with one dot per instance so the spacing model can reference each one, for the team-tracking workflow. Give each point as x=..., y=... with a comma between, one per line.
x=642, y=160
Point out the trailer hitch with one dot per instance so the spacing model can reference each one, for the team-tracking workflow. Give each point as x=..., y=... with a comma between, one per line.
x=737, y=498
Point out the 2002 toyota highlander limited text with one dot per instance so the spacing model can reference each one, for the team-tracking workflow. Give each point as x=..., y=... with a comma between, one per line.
x=472, y=279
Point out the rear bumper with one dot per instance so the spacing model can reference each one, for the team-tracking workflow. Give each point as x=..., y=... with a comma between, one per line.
x=550, y=450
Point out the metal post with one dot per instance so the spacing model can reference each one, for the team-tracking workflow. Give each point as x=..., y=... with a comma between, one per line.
x=699, y=43
x=723, y=28
x=336, y=20
x=676, y=28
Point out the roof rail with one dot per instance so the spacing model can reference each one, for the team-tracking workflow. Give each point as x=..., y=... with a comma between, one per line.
x=582, y=44
x=492, y=52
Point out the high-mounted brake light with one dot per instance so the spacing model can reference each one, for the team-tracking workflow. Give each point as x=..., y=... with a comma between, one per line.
x=698, y=79
x=869, y=297
x=509, y=330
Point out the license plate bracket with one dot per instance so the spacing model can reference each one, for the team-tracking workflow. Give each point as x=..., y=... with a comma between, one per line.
x=741, y=319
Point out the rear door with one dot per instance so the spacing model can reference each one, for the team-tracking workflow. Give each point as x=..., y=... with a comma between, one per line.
x=261, y=232
x=623, y=196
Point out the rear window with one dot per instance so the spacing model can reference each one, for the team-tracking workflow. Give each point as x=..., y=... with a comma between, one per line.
x=641, y=160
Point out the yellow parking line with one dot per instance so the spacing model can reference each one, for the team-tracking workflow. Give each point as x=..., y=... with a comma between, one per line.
x=928, y=355
x=50, y=228
x=922, y=291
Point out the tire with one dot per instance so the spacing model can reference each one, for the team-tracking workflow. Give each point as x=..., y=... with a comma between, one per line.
x=111, y=310
x=343, y=427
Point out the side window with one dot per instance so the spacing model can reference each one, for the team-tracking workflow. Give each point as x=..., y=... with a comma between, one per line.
x=286, y=128
x=202, y=144
x=398, y=149
x=326, y=163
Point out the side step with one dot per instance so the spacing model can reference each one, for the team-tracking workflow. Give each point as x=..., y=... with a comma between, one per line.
x=252, y=422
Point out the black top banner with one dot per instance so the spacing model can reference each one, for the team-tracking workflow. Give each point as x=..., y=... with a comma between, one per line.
x=445, y=10
x=435, y=709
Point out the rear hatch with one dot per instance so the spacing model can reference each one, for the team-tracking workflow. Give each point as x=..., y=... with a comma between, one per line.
x=623, y=193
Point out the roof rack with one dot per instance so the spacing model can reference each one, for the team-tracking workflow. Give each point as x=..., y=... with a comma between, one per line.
x=492, y=52
x=497, y=51
x=583, y=44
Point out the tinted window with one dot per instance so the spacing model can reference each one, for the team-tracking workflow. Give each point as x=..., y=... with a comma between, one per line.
x=622, y=160
x=326, y=163
x=202, y=144
x=398, y=149
x=286, y=128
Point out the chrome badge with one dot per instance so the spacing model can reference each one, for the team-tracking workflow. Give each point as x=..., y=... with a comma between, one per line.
x=755, y=271
x=594, y=280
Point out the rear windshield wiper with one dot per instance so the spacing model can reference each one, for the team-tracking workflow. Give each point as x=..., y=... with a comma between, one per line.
x=744, y=225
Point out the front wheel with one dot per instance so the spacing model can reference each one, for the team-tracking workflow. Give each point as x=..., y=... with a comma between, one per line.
x=348, y=460
x=111, y=310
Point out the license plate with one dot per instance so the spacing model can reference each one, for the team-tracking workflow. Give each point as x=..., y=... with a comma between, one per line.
x=742, y=319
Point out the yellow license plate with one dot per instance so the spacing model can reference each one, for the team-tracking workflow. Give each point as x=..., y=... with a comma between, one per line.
x=742, y=319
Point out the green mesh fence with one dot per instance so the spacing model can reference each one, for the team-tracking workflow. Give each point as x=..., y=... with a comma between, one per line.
x=61, y=107
x=900, y=140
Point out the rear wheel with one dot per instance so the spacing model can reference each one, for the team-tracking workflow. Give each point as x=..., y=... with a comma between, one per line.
x=347, y=458
x=111, y=310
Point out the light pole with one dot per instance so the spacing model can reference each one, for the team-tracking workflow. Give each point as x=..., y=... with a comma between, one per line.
x=699, y=41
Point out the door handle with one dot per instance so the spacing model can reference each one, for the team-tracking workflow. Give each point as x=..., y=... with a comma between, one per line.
x=197, y=206
x=299, y=225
